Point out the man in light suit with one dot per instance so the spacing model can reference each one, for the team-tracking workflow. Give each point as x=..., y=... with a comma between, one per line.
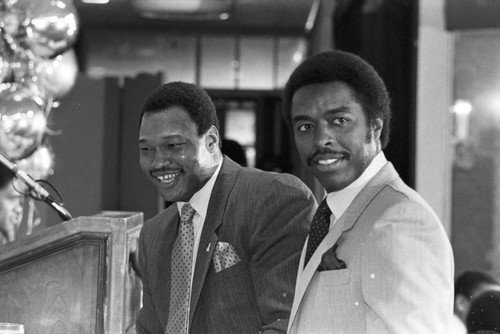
x=248, y=226
x=377, y=259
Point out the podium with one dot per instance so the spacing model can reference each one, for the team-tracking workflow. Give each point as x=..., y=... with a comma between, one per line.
x=74, y=277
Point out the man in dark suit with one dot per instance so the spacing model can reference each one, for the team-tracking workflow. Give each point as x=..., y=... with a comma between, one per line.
x=468, y=285
x=377, y=259
x=484, y=312
x=229, y=265
x=11, y=206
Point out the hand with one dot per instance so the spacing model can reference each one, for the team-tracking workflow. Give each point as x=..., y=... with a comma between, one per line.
x=11, y=213
x=9, y=224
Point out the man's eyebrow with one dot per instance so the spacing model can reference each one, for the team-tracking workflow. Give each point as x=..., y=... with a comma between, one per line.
x=299, y=118
x=333, y=111
x=337, y=110
x=167, y=137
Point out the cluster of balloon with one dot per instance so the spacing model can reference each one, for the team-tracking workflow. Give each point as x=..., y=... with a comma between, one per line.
x=37, y=67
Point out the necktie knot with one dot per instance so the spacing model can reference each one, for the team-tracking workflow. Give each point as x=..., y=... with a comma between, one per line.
x=187, y=213
x=323, y=210
x=319, y=229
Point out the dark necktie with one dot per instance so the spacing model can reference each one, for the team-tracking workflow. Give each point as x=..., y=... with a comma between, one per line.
x=182, y=259
x=319, y=229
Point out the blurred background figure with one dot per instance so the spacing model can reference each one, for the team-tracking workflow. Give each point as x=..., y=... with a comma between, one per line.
x=235, y=151
x=468, y=285
x=11, y=207
x=484, y=313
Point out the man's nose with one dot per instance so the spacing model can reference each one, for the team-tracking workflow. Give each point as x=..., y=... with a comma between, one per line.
x=161, y=158
x=324, y=135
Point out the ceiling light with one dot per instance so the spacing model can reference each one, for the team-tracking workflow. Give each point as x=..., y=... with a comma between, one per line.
x=313, y=14
x=95, y=2
x=216, y=9
x=224, y=16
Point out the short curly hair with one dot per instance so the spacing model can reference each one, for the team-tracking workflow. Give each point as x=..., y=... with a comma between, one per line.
x=192, y=98
x=368, y=88
x=470, y=282
x=484, y=312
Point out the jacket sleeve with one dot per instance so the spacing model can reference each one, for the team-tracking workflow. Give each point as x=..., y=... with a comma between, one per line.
x=407, y=271
x=281, y=222
x=147, y=321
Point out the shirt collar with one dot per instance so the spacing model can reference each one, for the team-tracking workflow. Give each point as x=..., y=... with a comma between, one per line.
x=339, y=201
x=199, y=201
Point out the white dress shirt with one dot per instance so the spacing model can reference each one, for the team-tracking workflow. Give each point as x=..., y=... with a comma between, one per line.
x=457, y=326
x=199, y=202
x=339, y=201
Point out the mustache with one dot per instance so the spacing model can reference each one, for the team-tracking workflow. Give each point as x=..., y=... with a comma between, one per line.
x=156, y=170
x=323, y=151
x=162, y=169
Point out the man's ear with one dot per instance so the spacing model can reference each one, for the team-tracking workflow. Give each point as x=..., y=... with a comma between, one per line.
x=212, y=139
x=462, y=303
x=376, y=126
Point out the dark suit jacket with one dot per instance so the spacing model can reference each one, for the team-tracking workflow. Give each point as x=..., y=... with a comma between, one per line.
x=265, y=217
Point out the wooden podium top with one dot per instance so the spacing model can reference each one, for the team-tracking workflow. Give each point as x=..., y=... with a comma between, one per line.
x=104, y=222
x=74, y=277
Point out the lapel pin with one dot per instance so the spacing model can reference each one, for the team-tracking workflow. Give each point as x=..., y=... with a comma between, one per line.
x=208, y=247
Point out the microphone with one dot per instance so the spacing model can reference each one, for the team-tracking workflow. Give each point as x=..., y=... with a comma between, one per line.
x=34, y=187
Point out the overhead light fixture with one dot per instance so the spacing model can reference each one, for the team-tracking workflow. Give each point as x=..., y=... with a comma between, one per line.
x=313, y=14
x=185, y=9
x=95, y=2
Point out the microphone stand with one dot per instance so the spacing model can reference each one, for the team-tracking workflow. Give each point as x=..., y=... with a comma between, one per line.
x=41, y=193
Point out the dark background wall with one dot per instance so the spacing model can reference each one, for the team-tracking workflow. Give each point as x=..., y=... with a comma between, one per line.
x=384, y=33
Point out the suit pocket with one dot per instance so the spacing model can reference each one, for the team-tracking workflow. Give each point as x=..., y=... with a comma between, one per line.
x=334, y=277
x=228, y=299
x=235, y=270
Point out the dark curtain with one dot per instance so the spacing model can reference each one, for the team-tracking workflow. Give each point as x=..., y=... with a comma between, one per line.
x=384, y=32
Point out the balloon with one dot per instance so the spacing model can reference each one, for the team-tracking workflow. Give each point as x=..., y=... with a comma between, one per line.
x=40, y=164
x=4, y=67
x=22, y=121
x=47, y=77
x=22, y=65
x=9, y=3
x=52, y=27
x=46, y=27
x=58, y=75
x=6, y=53
x=10, y=24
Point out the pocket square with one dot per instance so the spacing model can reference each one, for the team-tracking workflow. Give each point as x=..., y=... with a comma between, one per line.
x=330, y=261
x=224, y=256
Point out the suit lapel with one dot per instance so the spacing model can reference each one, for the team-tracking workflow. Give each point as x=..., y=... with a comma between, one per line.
x=350, y=216
x=367, y=194
x=305, y=275
x=161, y=288
x=209, y=238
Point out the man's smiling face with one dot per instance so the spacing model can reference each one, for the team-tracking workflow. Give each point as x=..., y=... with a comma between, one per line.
x=172, y=154
x=332, y=134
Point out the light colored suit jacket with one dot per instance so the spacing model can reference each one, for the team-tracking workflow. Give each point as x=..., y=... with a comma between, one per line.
x=264, y=217
x=399, y=275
